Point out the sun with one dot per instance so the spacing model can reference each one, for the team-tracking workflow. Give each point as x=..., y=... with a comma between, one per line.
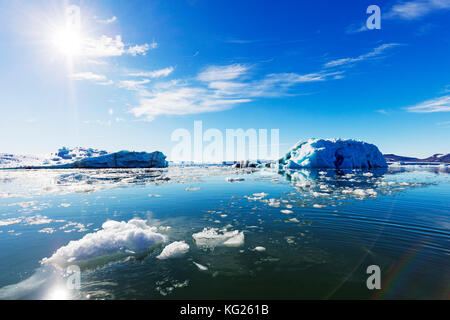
x=68, y=41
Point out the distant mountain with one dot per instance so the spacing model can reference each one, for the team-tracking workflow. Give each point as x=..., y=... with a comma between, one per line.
x=438, y=158
x=435, y=158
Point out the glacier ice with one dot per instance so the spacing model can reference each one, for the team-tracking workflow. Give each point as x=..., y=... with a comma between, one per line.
x=132, y=236
x=212, y=237
x=123, y=159
x=174, y=250
x=87, y=158
x=333, y=153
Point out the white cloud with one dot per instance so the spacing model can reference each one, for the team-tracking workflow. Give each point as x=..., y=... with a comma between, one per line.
x=416, y=9
x=153, y=74
x=355, y=29
x=99, y=79
x=216, y=91
x=376, y=52
x=88, y=76
x=112, y=47
x=132, y=84
x=141, y=49
x=217, y=73
x=108, y=21
x=181, y=101
x=441, y=104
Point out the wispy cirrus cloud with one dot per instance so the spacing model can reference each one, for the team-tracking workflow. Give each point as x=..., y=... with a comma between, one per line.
x=153, y=74
x=218, y=73
x=90, y=76
x=106, y=21
x=416, y=9
x=441, y=104
x=375, y=53
x=356, y=29
x=133, y=84
x=217, y=88
x=112, y=47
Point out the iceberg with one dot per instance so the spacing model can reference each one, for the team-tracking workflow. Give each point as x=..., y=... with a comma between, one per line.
x=333, y=153
x=122, y=159
x=174, y=250
x=212, y=237
x=85, y=158
x=132, y=236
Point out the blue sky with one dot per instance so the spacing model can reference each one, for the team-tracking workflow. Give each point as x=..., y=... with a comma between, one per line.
x=138, y=70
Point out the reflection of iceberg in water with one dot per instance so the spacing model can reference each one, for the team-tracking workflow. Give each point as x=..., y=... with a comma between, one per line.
x=343, y=184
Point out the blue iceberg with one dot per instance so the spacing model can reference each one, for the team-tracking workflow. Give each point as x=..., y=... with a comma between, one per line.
x=123, y=159
x=333, y=153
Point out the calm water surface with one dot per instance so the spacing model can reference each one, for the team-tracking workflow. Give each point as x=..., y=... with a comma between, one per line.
x=320, y=231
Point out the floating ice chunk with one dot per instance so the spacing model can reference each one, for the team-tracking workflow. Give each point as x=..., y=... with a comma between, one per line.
x=174, y=250
x=200, y=267
x=294, y=220
x=318, y=206
x=260, y=249
x=35, y=220
x=47, y=230
x=10, y=221
x=154, y=195
x=287, y=211
x=274, y=203
x=364, y=193
x=333, y=153
x=212, y=237
x=192, y=189
x=235, y=241
x=231, y=180
x=114, y=237
x=64, y=205
x=260, y=195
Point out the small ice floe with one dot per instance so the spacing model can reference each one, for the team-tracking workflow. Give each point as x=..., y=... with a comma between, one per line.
x=212, y=237
x=47, y=230
x=200, y=267
x=368, y=174
x=36, y=220
x=290, y=239
x=76, y=226
x=318, y=206
x=154, y=195
x=320, y=194
x=25, y=204
x=404, y=184
x=174, y=250
x=287, y=211
x=260, y=195
x=64, y=205
x=294, y=220
x=260, y=249
x=192, y=189
x=231, y=180
x=274, y=203
x=10, y=221
x=364, y=193
x=114, y=237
